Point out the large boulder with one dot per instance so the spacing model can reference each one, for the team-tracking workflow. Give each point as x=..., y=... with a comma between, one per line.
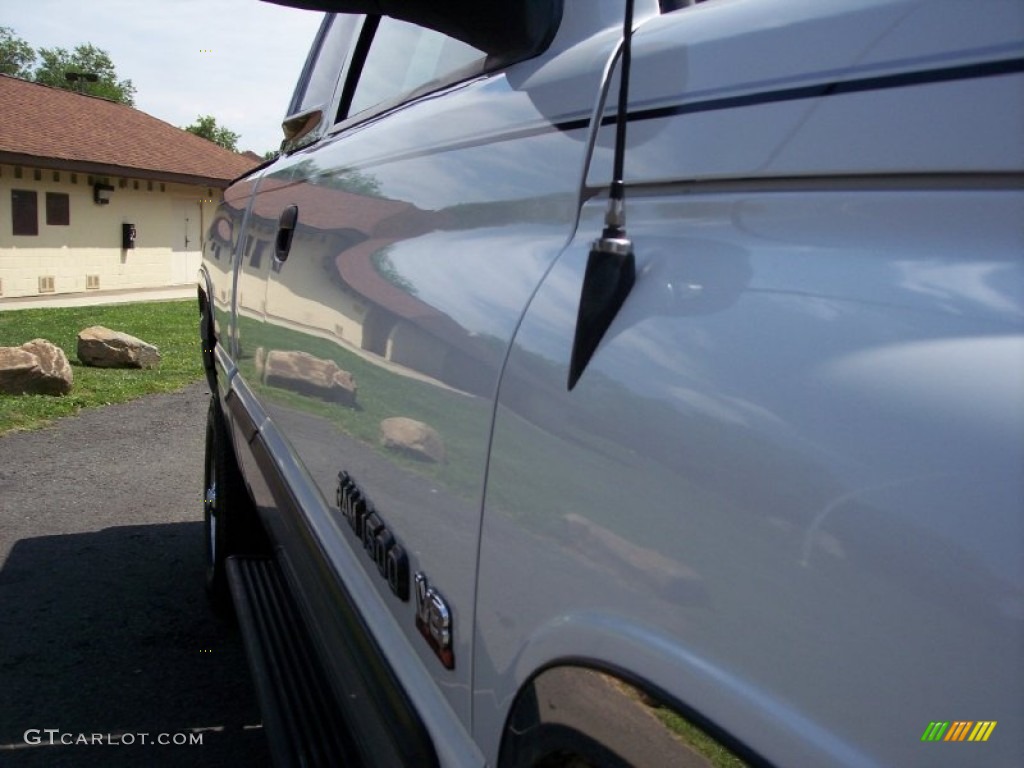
x=259, y=361
x=308, y=375
x=411, y=437
x=103, y=348
x=659, y=573
x=37, y=367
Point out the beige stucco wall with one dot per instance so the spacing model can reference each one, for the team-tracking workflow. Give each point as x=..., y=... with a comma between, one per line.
x=91, y=243
x=309, y=299
x=410, y=346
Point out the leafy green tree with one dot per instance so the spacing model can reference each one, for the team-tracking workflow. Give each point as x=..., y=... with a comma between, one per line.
x=386, y=268
x=206, y=126
x=350, y=180
x=16, y=56
x=55, y=63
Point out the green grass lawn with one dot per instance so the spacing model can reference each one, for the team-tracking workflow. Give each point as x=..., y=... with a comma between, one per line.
x=171, y=326
x=462, y=421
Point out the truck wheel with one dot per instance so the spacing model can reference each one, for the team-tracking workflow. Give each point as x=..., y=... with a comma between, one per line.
x=230, y=524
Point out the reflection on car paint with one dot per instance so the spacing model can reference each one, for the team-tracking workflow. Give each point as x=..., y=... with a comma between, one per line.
x=376, y=347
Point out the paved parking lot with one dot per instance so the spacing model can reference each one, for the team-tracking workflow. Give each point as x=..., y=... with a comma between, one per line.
x=104, y=629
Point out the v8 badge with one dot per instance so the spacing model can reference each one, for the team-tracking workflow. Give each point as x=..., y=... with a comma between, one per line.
x=434, y=620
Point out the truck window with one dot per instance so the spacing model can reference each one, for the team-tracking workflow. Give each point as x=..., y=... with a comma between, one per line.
x=320, y=75
x=404, y=57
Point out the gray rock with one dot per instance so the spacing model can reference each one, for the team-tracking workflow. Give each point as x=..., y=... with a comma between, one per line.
x=662, y=574
x=259, y=361
x=412, y=437
x=103, y=348
x=37, y=367
x=305, y=374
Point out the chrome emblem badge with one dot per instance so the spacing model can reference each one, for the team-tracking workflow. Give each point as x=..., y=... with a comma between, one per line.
x=434, y=620
x=373, y=534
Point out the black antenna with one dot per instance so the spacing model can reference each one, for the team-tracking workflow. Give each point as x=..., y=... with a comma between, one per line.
x=611, y=266
x=615, y=218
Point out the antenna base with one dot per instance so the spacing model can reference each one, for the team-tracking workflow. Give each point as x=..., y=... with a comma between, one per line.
x=613, y=240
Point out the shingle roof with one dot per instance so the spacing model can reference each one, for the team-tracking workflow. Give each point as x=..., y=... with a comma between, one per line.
x=61, y=128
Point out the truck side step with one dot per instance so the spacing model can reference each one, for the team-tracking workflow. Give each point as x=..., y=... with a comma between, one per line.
x=300, y=716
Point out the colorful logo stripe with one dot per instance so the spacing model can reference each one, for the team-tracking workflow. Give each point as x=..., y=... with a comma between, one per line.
x=958, y=730
x=982, y=730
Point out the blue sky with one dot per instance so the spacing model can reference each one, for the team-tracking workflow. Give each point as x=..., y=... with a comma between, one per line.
x=234, y=59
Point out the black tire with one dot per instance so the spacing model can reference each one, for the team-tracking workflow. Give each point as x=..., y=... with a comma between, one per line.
x=230, y=524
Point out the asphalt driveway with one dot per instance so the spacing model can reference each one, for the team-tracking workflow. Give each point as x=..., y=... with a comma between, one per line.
x=105, y=633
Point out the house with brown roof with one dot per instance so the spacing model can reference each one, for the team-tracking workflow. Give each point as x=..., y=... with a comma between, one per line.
x=96, y=195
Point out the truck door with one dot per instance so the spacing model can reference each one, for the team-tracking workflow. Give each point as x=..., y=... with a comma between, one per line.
x=399, y=255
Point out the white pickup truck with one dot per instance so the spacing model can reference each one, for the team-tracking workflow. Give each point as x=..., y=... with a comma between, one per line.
x=729, y=473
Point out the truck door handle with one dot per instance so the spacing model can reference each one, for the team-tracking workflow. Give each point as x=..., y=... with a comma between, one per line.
x=285, y=231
